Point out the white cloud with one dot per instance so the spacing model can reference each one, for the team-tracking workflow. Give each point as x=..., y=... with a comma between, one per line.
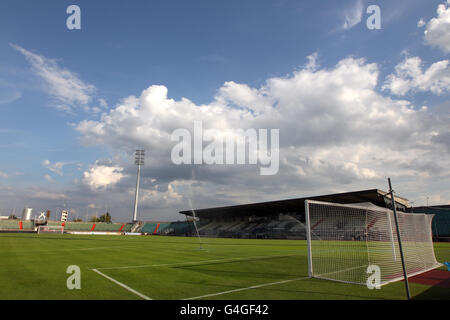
x=64, y=86
x=56, y=167
x=101, y=176
x=335, y=130
x=437, y=30
x=103, y=103
x=3, y=175
x=353, y=15
x=48, y=178
x=410, y=77
x=48, y=195
x=169, y=197
x=312, y=61
x=421, y=23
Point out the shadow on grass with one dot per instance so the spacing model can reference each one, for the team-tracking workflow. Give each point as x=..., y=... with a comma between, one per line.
x=199, y=267
x=296, y=294
x=307, y=288
x=434, y=293
x=250, y=273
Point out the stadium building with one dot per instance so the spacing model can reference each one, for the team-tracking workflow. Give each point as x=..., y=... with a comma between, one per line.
x=282, y=219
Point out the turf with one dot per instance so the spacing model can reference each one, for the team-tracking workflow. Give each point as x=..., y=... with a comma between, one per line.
x=34, y=267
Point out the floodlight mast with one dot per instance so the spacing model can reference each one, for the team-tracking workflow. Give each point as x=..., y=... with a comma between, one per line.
x=139, y=161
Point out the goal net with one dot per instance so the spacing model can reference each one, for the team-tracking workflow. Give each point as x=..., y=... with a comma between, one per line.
x=50, y=229
x=344, y=240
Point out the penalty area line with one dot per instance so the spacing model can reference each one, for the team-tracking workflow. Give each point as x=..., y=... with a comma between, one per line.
x=122, y=285
x=246, y=288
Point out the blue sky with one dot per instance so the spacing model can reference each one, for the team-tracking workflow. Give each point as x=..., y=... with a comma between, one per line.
x=193, y=48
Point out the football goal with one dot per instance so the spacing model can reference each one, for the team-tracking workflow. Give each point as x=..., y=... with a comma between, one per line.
x=50, y=229
x=344, y=240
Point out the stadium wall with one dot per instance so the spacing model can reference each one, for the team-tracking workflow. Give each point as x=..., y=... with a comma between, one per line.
x=28, y=225
x=16, y=225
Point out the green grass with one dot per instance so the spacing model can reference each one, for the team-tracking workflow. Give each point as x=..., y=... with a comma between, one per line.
x=34, y=267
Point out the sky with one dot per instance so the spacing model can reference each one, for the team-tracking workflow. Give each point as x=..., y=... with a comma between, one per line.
x=353, y=105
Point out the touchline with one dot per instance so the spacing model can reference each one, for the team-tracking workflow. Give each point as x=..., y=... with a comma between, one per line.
x=227, y=147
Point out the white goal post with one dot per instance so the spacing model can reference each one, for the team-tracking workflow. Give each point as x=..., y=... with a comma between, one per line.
x=345, y=239
x=50, y=229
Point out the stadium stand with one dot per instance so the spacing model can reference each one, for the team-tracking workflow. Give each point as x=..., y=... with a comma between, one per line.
x=285, y=226
x=178, y=228
x=283, y=219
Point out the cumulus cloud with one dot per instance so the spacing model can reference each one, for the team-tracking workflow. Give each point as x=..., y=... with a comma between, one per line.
x=409, y=76
x=335, y=130
x=437, y=30
x=100, y=176
x=167, y=197
x=68, y=91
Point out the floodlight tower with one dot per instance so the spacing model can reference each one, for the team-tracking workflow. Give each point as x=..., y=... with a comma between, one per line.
x=139, y=161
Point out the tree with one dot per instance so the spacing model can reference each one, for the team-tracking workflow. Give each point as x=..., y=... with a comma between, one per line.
x=105, y=218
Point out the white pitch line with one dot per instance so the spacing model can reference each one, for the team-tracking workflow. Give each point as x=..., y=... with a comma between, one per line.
x=123, y=285
x=247, y=288
x=193, y=263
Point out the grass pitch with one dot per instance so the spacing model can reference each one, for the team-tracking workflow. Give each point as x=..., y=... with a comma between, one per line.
x=34, y=266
